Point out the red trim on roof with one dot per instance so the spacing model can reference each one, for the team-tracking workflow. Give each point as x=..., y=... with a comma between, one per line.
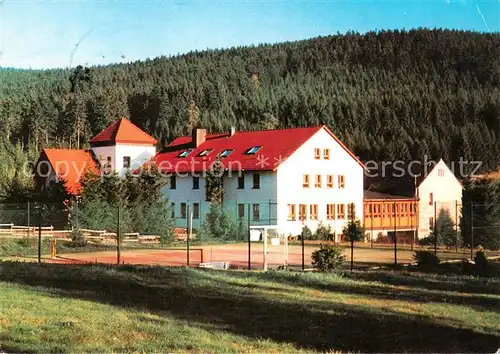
x=276, y=146
x=124, y=132
x=70, y=165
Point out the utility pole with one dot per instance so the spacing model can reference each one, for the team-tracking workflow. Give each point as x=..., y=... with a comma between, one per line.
x=395, y=236
x=471, y=230
x=188, y=232
x=39, y=234
x=118, y=238
x=249, y=244
x=435, y=230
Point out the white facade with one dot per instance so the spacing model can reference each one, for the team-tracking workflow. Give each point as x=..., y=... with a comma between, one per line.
x=284, y=187
x=440, y=191
x=115, y=154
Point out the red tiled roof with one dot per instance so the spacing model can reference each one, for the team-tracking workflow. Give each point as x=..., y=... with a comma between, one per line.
x=70, y=165
x=276, y=147
x=123, y=131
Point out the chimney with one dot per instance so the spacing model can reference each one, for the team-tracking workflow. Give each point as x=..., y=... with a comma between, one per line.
x=233, y=131
x=199, y=136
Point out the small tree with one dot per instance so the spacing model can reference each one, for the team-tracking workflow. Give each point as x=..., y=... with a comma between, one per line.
x=327, y=257
x=217, y=225
x=323, y=232
x=353, y=231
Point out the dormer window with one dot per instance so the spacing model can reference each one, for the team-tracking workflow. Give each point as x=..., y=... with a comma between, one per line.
x=205, y=152
x=253, y=150
x=226, y=153
x=185, y=153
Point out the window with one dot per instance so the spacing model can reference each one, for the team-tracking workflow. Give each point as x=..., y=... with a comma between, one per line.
x=351, y=211
x=108, y=159
x=196, y=182
x=241, y=182
x=291, y=212
x=241, y=211
x=431, y=223
x=326, y=154
x=303, y=212
x=329, y=181
x=317, y=154
x=226, y=153
x=431, y=199
x=377, y=210
x=185, y=153
x=256, y=211
x=368, y=210
x=172, y=206
x=305, y=181
x=256, y=181
x=317, y=182
x=196, y=210
x=183, y=210
x=126, y=161
x=330, y=211
x=440, y=172
x=205, y=152
x=341, y=182
x=173, y=182
x=253, y=151
x=313, y=211
x=341, y=211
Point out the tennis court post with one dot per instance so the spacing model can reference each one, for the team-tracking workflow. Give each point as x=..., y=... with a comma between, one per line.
x=249, y=245
x=188, y=232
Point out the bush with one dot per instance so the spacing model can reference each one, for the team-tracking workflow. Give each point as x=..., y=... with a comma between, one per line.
x=306, y=233
x=426, y=241
x=425, y=259
x=481, y=261
x=77, y=239
x=323, y=233
x=327, y=258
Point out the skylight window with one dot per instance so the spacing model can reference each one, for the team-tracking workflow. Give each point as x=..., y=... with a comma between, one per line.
x=226, y=153
x=185, y=153
x=205, y=152
x=253, y=151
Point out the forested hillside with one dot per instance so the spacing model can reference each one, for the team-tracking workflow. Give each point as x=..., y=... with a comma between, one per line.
x=388, y=95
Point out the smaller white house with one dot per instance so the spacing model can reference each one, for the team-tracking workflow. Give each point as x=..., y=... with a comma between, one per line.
x=287, y=178
x=410, y=199
x=439, y=192
x=121, y=147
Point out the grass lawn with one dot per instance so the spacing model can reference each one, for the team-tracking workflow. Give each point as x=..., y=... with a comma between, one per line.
x=78, y=308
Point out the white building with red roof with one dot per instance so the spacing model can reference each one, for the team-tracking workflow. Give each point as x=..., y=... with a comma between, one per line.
x=122, y=146
x=285, y=178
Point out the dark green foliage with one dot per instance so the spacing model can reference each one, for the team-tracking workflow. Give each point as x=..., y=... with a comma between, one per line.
x=327, y=258
x=217, y=225
x=482, y=266
x=214, y=182
x=388, y=95
x=323, y=233
x=134, y=204
x=425, y=259
x=77, y=239
x=353, y=231
x=306, y=233
x=485, y=196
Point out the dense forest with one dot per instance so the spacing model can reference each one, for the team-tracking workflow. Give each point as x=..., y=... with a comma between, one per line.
x=388, y=95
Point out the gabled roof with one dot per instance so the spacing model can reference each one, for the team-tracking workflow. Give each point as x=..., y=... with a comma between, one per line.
x=276, y=147
x=70, y=165
x=124, y=132
x=401, y=179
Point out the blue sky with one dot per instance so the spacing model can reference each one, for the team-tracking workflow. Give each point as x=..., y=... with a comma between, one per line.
x=48, y=34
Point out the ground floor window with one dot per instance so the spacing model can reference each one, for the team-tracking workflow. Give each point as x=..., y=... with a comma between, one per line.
x=256, y=211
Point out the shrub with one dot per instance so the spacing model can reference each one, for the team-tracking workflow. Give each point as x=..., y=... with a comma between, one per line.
x=327, y=258
x=425, y=259
x=306, y=233
x=426, y=241
x=77, y=239
x=323, y=232
x=481, y=261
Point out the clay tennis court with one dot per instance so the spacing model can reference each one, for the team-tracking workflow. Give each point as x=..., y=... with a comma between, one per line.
x=237, y=255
